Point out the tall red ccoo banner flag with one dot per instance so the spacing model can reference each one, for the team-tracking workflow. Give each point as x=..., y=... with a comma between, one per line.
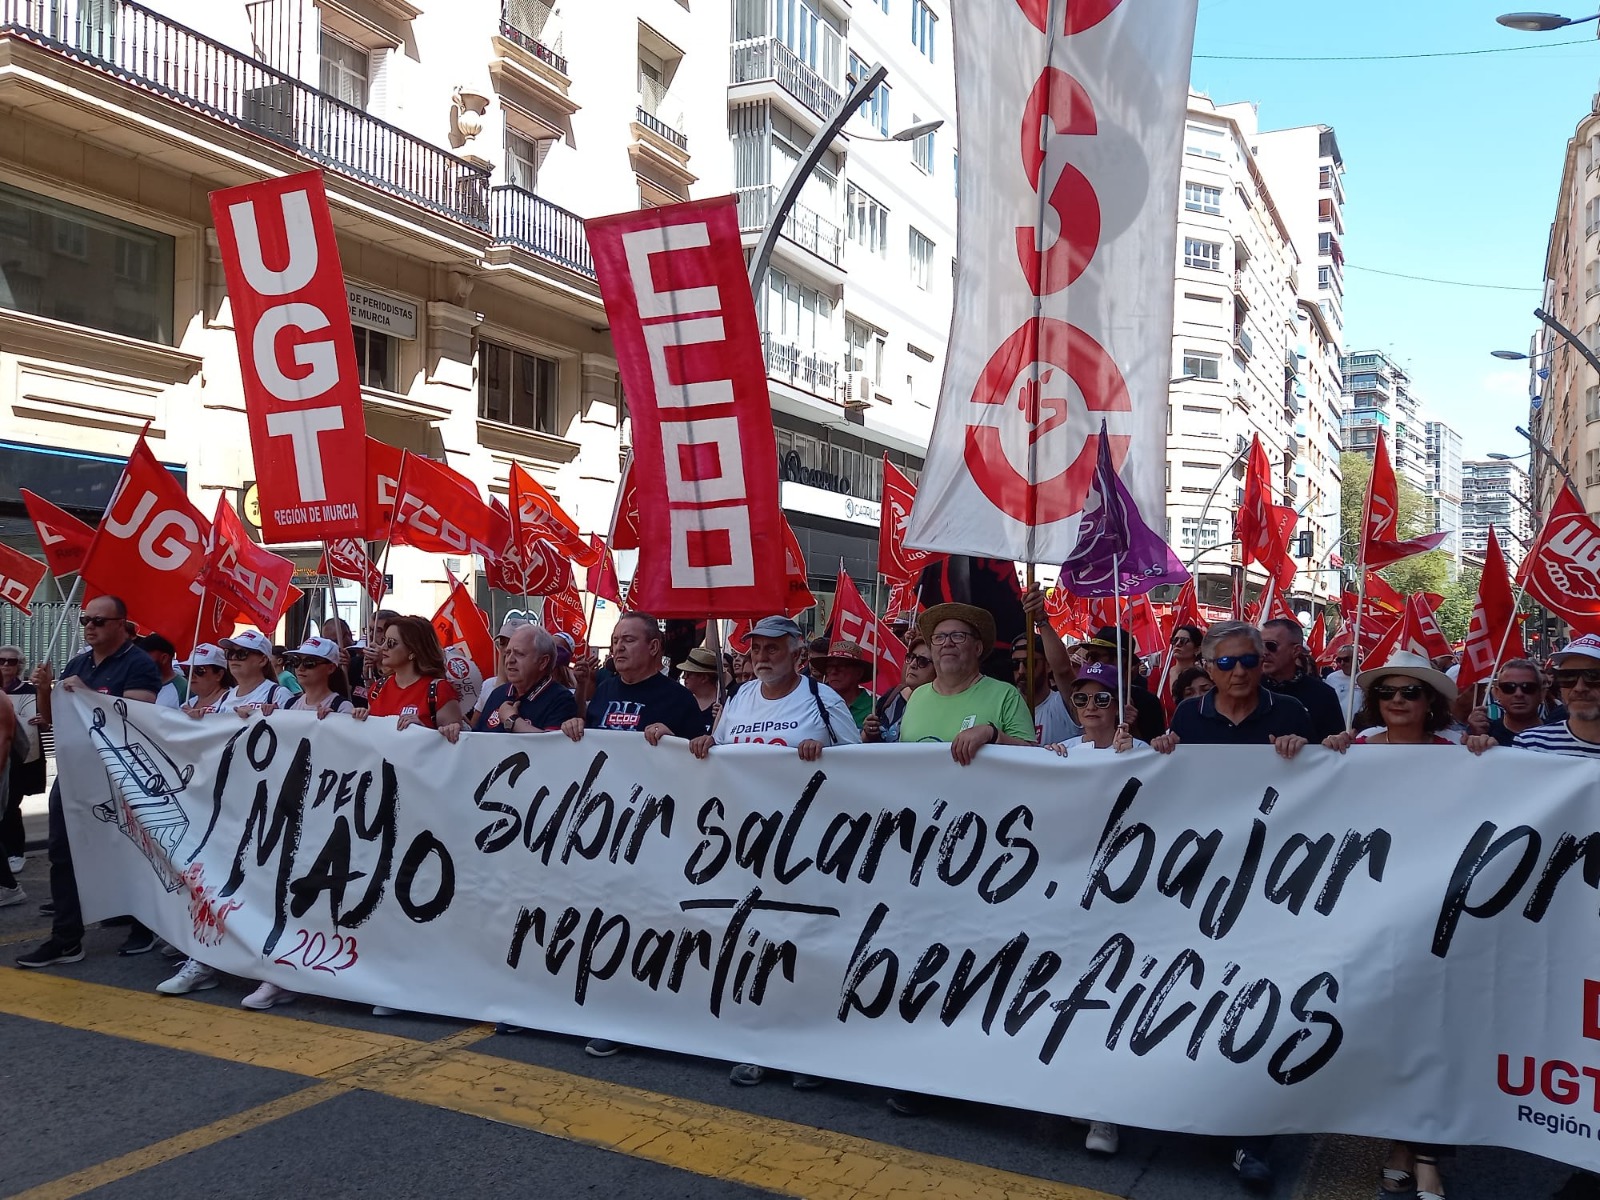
x=302, y=389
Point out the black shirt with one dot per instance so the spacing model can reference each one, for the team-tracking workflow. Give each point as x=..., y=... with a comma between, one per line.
x=633, y=706
x=130, y=669
x=1318, y=699
x=1198, y=722
x=545, y=707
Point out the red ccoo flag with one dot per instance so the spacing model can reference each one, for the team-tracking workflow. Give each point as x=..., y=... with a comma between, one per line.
x=1317, y=639
x=625, y=519
x=254, y=580
x=63, y=538
x=1380, y=517
x=537, y=515
x=897, y=561
x=1419, y=632
x=1562, y=571
x=346, y=558
x=1493, y=637
x=19, y=577
x=601, y=579
x=854, y=621
x=1262, y=527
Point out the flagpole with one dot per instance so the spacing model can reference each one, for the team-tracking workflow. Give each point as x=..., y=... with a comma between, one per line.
x=199, y=620
x=1355, y=642
x=1028, y=634
x=1116, y=605
x=394, y=512
x=66, y=611
x=1511, y=625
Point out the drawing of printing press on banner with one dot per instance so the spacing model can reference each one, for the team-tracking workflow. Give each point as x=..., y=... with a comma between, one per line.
x=144, y=780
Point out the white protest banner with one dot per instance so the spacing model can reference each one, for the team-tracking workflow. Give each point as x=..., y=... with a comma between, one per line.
x=1391, y=943
x=1071, y=120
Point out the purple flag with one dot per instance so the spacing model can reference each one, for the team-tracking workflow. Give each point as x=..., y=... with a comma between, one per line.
x=1116, y=552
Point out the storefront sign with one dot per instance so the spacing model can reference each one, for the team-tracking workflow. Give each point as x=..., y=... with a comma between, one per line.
x=797, y=497
x=796, y=471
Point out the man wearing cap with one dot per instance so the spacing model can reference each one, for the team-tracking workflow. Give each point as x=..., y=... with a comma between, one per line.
x=700, y=675
x=531, y=699
x=174, y=688
x=1283, y=642
x=962, y=705
x=1577, y=677
x=845, y=668
x=113, y=666
x=783, y=707
x=1052, y=722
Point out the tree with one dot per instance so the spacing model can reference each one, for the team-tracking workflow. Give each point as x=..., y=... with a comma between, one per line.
x=1455, y=614
x=1428, y=572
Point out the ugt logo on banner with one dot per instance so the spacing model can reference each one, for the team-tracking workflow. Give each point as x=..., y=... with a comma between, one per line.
x=297, y=356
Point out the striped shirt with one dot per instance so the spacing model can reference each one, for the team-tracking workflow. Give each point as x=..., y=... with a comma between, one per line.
x=1556, y=739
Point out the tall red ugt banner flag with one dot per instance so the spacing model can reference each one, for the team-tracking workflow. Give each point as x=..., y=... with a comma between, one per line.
x=1562, y=571
x=683, y=322
x=302, y=389
x=1071, y=113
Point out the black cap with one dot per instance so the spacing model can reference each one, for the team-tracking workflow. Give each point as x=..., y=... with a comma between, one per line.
x=1109, y=635
x=154, y=643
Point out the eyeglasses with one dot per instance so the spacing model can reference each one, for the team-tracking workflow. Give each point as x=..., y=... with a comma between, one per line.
x=920, y=661
x=1227, y=662
x=97, y=622
x=951, y=637
x=1566, y=679
x=1505, y=687
x=389, y=644
x=1411, y=691
x=1084, y=699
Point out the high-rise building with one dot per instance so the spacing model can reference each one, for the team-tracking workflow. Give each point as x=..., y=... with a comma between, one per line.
x=1241, y=354
x=1445, y=486
x=462, y=146
x=1378, y=395
x=1495, y=492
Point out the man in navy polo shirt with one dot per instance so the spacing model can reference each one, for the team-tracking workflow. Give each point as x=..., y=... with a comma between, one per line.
x=1239, y=712
x=113, y=666
x=532, y=698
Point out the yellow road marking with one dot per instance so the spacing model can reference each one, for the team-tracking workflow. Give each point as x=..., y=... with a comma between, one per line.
x=705, y=1139
x=187, y=1142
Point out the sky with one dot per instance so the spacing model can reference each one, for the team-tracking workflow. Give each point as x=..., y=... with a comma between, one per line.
x=1452, y=167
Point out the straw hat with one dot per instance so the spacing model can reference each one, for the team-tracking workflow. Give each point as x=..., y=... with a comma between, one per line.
x=1412, y=666
x=979, y=619
x=700, y=662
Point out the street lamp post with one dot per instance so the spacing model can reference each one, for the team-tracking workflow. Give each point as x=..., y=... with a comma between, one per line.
x=1537, y=22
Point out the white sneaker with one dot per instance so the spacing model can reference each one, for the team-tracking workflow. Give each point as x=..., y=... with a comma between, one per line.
x=1102, y=1138
x=16, y=862
x=267, y=995
x=193, y=976
x=12, y=895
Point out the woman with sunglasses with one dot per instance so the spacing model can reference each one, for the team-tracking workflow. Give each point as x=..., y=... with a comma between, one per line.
x=1185, y=649
x=249, y=656
x=207, y=671
x=1410, y=700
x=1093, y=698
x=324, y=687
x=414, y=686
x=884, y=723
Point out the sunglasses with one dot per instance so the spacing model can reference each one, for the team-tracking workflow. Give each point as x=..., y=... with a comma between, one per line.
x=237, y=655
x=97, y=622
x=1183, y=641
x=920, y=661
x=390, y=644
x=1085, y=699
x=1272, y=647
x=1410, y=691
x=1227, y=662
x=1572, y=678
x=300, y=664
x=10, y=662
x=1505, y=687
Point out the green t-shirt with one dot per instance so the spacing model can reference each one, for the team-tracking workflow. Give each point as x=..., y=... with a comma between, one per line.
x=931, y=717
x=861, y=707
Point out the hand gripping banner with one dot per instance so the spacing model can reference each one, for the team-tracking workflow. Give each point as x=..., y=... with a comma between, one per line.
x=1071, y=115
x=1368, y=943
x=704, y=455
x=302, y=390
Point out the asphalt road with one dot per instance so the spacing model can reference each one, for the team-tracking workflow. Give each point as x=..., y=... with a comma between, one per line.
x=108, y=1089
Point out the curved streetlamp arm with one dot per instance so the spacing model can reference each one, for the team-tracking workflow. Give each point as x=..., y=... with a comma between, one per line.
x=858, y=96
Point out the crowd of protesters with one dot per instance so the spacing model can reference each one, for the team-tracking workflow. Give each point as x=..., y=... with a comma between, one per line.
x=1232, y=684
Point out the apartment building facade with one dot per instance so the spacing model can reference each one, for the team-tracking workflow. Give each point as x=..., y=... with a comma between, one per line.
x=1495, y=492
x=1378, y=396
x=1248, y=358
x=461, y=147
x=1445, y=486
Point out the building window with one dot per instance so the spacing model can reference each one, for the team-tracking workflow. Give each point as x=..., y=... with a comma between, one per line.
x=1203, y=140
x=921, y=260
x=522, y=161
x=346, y=70
x=374, y=358
x=875, y=112
x=797, y=315
x=866, y=221
x=518, y=389
x=922, y=149
x=814, y=38
x=865, y=349
x=922, y=26
x=70, y=264
x=1202, y=365
x=1201, y=197
x=1324, y=278
x=1202, y=255
x=1591, y=403
x=1324, y=243
x=1197, y=534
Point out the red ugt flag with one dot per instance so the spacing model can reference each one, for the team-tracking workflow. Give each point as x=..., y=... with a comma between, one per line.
x=601, y=579
x=1562, y=571
x=19, y=577
x=1380, y=517
x=1263, y=528
x=854, y=621
x=897, y=561
x=63, y=538
x=1494, y=621
x=460, y=622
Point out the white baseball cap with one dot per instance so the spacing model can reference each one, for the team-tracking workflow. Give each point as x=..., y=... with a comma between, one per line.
x=318, y=647
x=1588, y=646
x=205, y=655
x=249, y=639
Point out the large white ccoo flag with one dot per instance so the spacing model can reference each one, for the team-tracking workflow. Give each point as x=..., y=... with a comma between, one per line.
x=1071, y=120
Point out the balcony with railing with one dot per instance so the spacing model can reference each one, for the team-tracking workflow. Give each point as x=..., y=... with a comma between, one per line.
x=660, y=128
x=760, y=59
x=523, y=23
x=808, y=370
x=528, y=222
x=804, y=227
x=131, y=43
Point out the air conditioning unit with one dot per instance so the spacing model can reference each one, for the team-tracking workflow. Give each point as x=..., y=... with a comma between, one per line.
x=858, y=390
